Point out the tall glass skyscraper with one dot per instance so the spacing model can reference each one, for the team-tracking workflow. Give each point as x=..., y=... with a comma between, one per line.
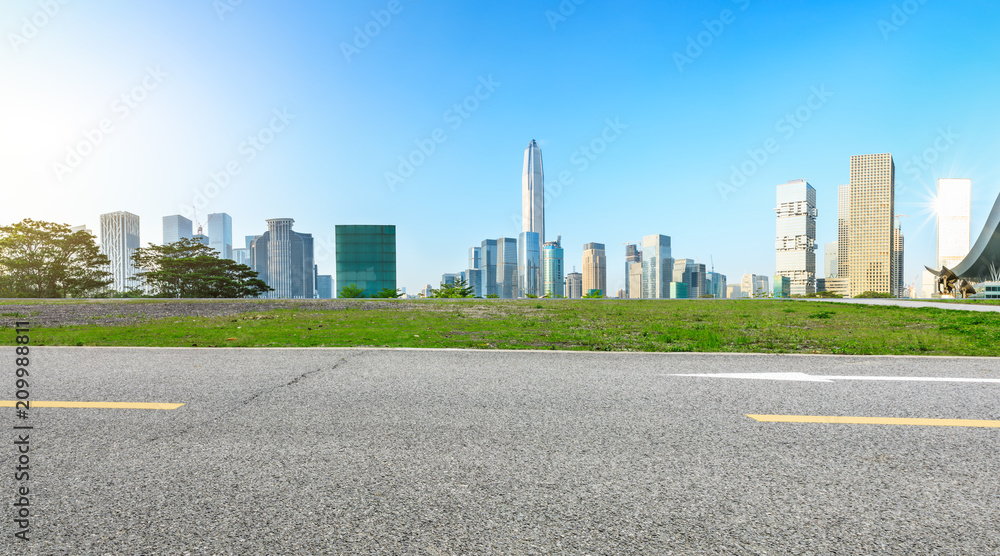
x=529, y=265
x=507, y=268
x=119, y=240
x=532, y=237
x=632, y=255
x=175, y=228
x=795, y=241
x=657, y=267
x=488, y=267
x=366, y=257
x=474, y=273
x=220, y=234
x=552, y=268
x=283, y=259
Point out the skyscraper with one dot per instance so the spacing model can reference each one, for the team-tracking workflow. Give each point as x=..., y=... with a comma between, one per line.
x=953, y=207
x=897, y=259
x=635, y=280
x=507, y=268
x=595, y=271
x=657, y=267
x=574, y=285
x=873, y=183
x=532, y=237
x=119, y=240
x=692, y=273
x=366, y=257
x=220, y=234
x=474, y=272
x=715, y=285
x=830, y=260
x=488, y=267
x=283, y=259
x=795, y=241
x=552, y=268
x=324, y=286
x=632, y=255
x=175, y=228
x=529, y=265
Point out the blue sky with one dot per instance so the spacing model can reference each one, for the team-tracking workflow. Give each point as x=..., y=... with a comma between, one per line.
x=645, y=108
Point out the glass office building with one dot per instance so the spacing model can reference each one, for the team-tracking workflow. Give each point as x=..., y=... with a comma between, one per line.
x=507, y=268
x=283, y=259
x=488, y=267
x=366, y=257
x=175, y=228
x=529, y=265
x=474, y=272
x=657, y=267
x=220, y=234
x=552, y=269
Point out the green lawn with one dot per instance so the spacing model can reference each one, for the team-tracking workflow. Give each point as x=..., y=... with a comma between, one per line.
x=706, y=326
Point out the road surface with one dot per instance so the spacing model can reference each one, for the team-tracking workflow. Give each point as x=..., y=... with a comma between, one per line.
x=339, y=451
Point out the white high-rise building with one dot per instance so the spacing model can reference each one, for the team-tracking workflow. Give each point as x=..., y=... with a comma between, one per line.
x=954, y=208
x=532, y=237
x=657, y=267
x=795, y=244
x=119, y=240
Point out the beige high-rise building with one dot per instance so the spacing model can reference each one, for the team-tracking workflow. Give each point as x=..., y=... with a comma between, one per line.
x=595, y=272
x=635, y=280
x=953, y=208
x=843, y=229
x=870, y=259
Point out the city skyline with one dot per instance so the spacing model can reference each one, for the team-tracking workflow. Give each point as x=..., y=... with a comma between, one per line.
x=263, y=112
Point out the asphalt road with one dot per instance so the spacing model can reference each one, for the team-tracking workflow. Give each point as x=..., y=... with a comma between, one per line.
x=339, y=451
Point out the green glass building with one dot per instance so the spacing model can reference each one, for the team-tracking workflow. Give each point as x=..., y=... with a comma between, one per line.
x=366, y=257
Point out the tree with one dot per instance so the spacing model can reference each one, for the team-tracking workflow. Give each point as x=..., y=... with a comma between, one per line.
x=872, y=294
x=455, y=289
x=45, y=259
x=388, y=293
x=492, y=296
x=593, y=294
x=189, y=268
x=351, y=291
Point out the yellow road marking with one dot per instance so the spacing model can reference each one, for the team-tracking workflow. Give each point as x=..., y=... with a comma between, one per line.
x=875, y=421
x=96, y=405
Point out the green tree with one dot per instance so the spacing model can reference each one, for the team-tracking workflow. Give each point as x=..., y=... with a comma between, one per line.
x=189, y=268
x=593, y=294
x=45, y=259
x=492, y=296
x=455, y=289
x=871, y=294
x=351, y=291
x=388, y=293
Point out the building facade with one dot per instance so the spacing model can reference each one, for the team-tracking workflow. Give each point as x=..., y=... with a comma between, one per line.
x=574, y=285
x=897, y=260
x=474, y=272
x=507, y=268
x=843, y=234
x=691, y=273
x=324, y=286
x=795, y=241
x=529, y=266
x=283, y=259
x=595, y=270
x=119, y=240
x=366, y=257
x=829, y=260
x=552, y=268
x=488, y=268
x=176, y=228
x=633, y=254
x=657, y=267
x=635, y=280
x=715, y=285
x=220, y=234
x=954, y=209
x=873, y=185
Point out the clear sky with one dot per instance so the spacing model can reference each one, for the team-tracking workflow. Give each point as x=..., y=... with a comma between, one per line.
x=643, y=107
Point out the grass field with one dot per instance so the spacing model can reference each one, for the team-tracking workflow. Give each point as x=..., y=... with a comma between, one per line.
x=764, y=326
